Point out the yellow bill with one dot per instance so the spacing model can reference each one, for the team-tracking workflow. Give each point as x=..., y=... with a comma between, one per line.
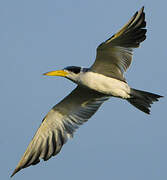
x=56, y=73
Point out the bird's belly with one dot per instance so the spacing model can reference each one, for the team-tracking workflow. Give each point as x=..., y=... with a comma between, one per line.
x=106, y=85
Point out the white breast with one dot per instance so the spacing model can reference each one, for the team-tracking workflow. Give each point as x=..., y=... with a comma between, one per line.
x=104, y=84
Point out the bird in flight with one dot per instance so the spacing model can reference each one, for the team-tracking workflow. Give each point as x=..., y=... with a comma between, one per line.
x=104, y=79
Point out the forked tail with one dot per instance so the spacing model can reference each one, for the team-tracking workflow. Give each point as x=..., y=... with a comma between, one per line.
x=142, y=99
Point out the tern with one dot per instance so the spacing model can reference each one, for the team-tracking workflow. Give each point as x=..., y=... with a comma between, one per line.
x=104, y=79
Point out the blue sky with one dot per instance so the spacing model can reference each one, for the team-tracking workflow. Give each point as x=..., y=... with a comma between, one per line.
x=118, y=142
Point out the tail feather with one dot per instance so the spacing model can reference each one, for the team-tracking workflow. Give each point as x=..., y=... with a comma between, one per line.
x=142, y=99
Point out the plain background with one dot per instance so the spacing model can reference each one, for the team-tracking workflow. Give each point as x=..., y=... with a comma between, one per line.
x=118, y=142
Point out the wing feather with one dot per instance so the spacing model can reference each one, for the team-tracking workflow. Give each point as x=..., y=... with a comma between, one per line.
x=60, y=124
x=114, y=56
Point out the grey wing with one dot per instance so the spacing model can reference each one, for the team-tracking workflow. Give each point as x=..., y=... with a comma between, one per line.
x=114, y=56
x=60, y=124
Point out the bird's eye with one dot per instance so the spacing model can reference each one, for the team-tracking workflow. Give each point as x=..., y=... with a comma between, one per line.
x=74, y=69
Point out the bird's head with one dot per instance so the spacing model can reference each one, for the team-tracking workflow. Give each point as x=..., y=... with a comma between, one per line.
x=70, y=72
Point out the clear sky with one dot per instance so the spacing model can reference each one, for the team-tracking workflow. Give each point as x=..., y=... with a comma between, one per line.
x=118, y=142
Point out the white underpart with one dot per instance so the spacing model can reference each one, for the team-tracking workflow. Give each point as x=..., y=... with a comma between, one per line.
x=104, y=84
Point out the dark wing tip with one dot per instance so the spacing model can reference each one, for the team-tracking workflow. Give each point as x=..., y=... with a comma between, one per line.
x=131, y=34
x=41, y=147
x=142, y=9
x=136, y=32
x=23, y=164
x=15, y=171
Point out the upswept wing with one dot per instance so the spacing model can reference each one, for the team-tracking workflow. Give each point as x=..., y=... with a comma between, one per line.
x=59, y=125
x=114, y=56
